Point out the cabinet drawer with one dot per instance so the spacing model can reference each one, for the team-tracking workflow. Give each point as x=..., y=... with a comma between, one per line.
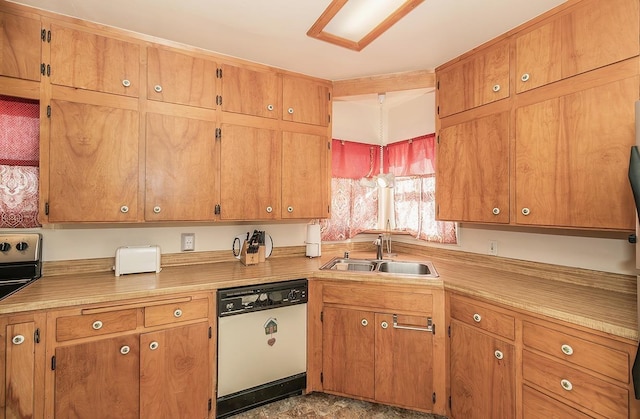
x=536, y=405
x=86, y=325
x=483, y=318
x=176, y=312
x=576, y=350
x=378, y=298
x=579, y=387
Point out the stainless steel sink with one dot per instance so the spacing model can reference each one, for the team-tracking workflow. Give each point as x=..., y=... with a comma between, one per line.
x=424, y=269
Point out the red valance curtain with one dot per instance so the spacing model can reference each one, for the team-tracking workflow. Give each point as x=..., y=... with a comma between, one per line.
x=19, y=156
x=414, y=157
x=350, y=160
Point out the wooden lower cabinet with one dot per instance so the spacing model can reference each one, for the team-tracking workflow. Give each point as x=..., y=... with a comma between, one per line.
x=536, y=405
x=482, y=374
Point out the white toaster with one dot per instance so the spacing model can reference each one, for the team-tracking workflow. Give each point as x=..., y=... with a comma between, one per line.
x=137, y=259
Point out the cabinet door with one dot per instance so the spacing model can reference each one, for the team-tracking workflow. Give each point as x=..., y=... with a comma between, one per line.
x=305, y=101
x=89, y=61
x=98, y=379
x=174, y=373
x=20, y=371
x=180, y=78
x=482, y=375
x=536, y=405
x=572, y=170
x=181, y=173
x=93, y=163
x=21, y=46
x=480, y=79
x=250, y=173
x=348, y=339
x=592, y=35
x=472, y=177
x=403, y=361
x=305, y=176
x=250, y=92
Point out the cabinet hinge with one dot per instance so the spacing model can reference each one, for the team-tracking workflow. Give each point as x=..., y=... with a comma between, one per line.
x=438, y=112
x=433, y=397
x=36, y=336
x=438, y=139
x=43, y=34
x=438, y=84
x=46, y=208
x=216, y=210
x=48, y=36
x=218, y=100
x=437, y=210
x=45, y=69
x=449, y=331
x=218, y=133
x=329, y=118
x=209, y=405
x=321, y=316
x=321, y=377
x=329, y=94
x=329, y=145
x=328, y=209
x=218, y=73
x=210, y=332
x=449, y=402
x=48, y=111
x=53, y=363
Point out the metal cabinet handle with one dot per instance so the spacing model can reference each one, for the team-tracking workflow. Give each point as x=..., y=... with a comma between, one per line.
x=498, y=354
x=289, y=209
x=177, y=313
x=154, y=345
x=269, y=210
x=567, y=350
x=269, y=107
x=384, y=325
x=566, y=384
x=496, y=88
x=157, y=209
x=290, y=110
x=495, y=211
x=526, y=211
x=157, y=88
x=477, y=318
x=125, y=350
x=364, y=322
x=126, y=83
x=429, y=327
x=18, y=340
x=525, y=77
x=97, y=325
x=124, y=209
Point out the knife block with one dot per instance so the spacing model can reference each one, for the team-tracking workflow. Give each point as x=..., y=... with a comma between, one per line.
x=248, y=258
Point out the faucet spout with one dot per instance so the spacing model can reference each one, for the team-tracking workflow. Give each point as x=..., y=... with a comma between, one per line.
x=378, y=243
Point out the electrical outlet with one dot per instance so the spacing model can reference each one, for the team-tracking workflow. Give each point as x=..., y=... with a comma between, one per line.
x=493, y=247
x=187, y=242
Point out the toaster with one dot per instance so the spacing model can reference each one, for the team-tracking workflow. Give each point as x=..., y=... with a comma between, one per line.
x=137, y=259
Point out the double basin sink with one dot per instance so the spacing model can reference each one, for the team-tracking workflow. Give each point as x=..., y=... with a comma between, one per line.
x=423, y=269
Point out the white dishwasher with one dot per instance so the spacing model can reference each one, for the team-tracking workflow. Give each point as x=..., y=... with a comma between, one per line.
x=262, y=345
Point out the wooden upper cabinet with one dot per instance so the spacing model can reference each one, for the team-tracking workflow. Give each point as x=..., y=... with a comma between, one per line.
x=181, y=78
x=571, y=170
x=86, y=60
x=304, y=176
x=251, y=92
x=305, y=101
x=472, y=177
x=477, y=80
x=93, y=163
x=250, y=173
x=20, y=45
x=181, y=169
x=591, y=35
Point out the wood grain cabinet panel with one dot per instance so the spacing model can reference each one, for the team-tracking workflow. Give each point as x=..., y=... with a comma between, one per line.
x=87, y=325
x=21, y=46
x=251, y=92
x=180, y=78
x=477, y=80
x=472, y=175
x=481, y=317
x=536, y=405
x=176, y=312
x=86, y=60
x=591, y=35
x=93, y=163
x=305, y=101
x=568, y=173
x=181, y=171
x=20, y=371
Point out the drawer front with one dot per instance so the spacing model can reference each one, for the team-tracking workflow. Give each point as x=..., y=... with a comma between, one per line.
x=579, y=387
x=378, y=298
x=483, y=318
x=86, y=325
x=578, y=351
x=536, y=405
x=176, y=312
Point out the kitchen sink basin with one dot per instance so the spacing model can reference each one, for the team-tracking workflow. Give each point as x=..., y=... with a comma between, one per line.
x=424, y=269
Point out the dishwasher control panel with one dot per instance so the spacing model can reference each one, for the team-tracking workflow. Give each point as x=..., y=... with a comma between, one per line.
x=261, y=297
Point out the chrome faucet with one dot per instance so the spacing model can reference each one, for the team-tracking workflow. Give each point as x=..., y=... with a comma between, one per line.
x=378, y=243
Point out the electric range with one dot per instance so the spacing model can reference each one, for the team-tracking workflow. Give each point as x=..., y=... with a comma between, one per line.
x=20, y=261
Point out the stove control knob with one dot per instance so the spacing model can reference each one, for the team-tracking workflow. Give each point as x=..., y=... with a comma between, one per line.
x=4, y=247
x=22, y=246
